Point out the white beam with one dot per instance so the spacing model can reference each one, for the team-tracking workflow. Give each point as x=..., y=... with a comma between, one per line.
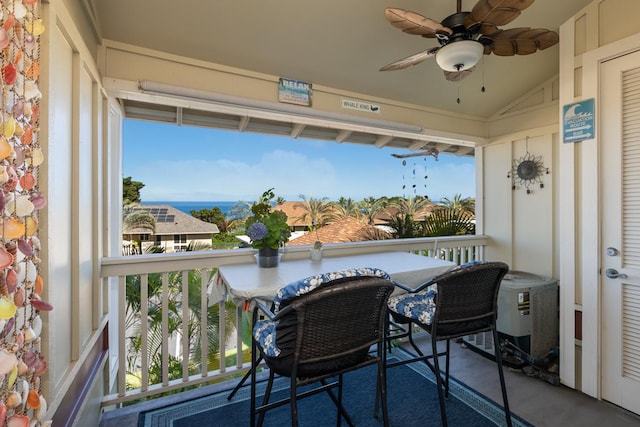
x=417, y=145
x=342, y=135
x=383, y=140
x=297, y=130
x=244, y=122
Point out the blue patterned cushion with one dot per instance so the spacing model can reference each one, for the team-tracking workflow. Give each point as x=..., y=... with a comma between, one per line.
x=264, y=331
x=419, y=306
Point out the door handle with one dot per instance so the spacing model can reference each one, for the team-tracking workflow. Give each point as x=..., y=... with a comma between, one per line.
x=612, y=273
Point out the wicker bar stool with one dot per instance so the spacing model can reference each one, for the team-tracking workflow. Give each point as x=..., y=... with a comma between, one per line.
x=460, y=302
x=322, y=327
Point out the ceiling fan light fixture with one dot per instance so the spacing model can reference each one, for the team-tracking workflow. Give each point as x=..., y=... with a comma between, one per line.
x=460, y=55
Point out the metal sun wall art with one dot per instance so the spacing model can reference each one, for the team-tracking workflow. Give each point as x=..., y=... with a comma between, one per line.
x=22, y=363
x=527, y=171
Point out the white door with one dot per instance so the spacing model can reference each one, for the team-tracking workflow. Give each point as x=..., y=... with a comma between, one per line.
x=619, y=112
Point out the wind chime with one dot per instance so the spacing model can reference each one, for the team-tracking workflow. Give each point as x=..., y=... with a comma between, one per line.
x=527, y=171
x=413, y=185
x=414, y=171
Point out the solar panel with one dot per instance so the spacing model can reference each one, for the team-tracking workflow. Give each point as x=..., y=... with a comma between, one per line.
x=160, y=214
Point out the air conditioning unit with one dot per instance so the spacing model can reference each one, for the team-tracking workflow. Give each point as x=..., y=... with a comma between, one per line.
x=527, y=316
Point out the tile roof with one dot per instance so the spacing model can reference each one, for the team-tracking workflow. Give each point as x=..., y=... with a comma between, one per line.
x=295, y=212
x=343, y=230
x=170, y=220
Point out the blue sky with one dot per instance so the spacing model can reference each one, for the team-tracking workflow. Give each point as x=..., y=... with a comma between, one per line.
x=183, y=163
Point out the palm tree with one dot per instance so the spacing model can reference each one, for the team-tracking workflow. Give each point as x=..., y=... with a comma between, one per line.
x=345, y=208
x=134, y=217
x=372, y=207
x=410, y=213
x=315, y=211
x=195, y=246
x=213, y=323
x=449, y=222
x=133, y=301
x=238, y=214
x=373, y=233
x=468, y=204
x=412, y=207
x=403, y=226
x=176, y=320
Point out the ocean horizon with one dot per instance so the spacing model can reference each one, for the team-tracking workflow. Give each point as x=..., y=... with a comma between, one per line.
x=188, y=206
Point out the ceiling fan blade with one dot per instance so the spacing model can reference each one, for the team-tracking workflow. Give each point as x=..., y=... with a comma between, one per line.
x=522, y=41
x=414, y=59
x=456, y=76
x=414, y=23
x=496, y=12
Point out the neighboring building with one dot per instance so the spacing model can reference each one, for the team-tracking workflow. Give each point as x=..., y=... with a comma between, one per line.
x=174, y=231
x=343, y=230
x=295, y=214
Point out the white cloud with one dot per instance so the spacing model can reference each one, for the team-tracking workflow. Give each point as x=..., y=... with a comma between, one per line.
x=290, y=173
x=293, y=173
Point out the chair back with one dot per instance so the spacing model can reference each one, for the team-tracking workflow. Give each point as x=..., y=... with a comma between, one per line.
x=335, y=324
x=467, y=299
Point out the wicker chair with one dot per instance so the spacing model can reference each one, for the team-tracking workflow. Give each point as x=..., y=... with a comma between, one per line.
x=324, y=326
x=460, y=302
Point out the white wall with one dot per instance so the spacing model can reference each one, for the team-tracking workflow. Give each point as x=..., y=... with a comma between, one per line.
x=71, y=225
x=554, y=231
x=600, y=31
x=520, y=224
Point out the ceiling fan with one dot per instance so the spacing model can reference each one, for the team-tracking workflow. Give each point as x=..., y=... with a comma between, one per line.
x=465, y=36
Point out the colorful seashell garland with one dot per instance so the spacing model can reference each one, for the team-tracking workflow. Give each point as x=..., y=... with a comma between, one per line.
x=22, y=363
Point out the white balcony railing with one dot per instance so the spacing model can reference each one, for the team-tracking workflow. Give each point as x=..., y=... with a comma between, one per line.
x=161, y=308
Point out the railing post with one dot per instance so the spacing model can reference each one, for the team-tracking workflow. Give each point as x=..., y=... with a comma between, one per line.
x=144, y=331
x=204, y=327
x=186, y=312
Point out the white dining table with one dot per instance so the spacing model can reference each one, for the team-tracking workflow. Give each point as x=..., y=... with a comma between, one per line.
x=249, y=282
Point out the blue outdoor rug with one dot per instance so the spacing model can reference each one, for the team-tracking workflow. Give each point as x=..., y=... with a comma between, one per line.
x=412, y=399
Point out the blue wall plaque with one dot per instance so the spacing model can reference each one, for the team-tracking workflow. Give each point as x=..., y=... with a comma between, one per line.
x=577, y=121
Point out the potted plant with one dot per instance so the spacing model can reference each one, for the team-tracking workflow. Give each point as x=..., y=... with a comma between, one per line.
x=267, y=229
x=316, y=250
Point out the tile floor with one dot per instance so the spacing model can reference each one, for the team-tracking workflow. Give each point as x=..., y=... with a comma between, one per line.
x=537, y=401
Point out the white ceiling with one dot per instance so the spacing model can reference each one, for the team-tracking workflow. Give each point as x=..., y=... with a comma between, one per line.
x=336, y=43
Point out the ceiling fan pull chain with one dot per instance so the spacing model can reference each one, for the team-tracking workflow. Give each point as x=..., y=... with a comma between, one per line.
x=482, y=89
x=458, y=86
